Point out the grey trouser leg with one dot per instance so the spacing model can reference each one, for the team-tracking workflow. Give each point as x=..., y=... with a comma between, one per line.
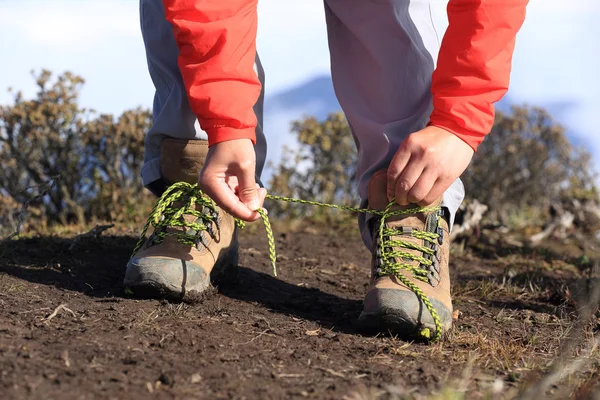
x=171, y=112
x=382, y=59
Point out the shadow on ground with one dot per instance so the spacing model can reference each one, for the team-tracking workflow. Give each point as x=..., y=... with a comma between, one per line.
x=331, y=311
x=96, y=267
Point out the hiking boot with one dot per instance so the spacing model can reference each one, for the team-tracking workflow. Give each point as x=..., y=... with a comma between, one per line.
x=193, y=239
x=409, y=292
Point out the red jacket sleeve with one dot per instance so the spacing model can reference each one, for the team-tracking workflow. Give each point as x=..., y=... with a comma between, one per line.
x=474, y=65
x=217, y=48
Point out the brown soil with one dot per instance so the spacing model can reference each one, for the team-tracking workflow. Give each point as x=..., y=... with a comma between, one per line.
x=261, y=337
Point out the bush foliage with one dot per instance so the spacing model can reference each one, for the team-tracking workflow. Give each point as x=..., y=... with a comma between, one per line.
x=522, y=168
x=97, y=157
x=322, y=168
x=525, y=165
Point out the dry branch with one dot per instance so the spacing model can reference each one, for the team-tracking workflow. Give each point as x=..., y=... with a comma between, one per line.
x=95, y=233
x=560, y=224
x=57, y=310
x=50, y=184
x=472, y=219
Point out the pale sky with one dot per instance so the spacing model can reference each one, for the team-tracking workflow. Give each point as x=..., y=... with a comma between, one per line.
x=556, y=62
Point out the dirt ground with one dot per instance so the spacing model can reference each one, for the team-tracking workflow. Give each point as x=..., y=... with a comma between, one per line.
x=260, y=337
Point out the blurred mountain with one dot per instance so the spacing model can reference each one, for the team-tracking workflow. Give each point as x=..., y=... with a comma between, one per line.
x=315, y=97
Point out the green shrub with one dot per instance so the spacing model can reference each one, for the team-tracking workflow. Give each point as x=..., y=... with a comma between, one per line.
x=98, y=157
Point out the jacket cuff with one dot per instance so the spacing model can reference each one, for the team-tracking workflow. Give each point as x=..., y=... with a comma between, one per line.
x=472, y=138
x=225, y=133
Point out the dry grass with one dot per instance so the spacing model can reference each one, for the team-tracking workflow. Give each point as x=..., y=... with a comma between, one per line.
x=527, y=363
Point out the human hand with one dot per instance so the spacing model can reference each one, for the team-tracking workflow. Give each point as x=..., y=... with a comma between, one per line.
x=228, y=177
x=425, y=165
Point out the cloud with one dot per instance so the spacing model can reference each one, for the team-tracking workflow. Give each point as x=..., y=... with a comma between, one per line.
x=292, y=41
x=556, y=60
x=99, y=40
x=64, y=24
x=95, y=38
x=565, y=8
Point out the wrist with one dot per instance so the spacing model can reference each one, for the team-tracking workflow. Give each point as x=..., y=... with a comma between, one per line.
x=226, y=134
x=471, y=138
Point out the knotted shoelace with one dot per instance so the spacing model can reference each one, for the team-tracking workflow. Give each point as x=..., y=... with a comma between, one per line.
x=190, y=200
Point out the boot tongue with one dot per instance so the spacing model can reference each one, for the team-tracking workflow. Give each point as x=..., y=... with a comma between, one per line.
x=421, y=221
x=191, y=218
x=182, y=160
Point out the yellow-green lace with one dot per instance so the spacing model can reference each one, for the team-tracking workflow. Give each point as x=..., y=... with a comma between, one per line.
x=192, y=201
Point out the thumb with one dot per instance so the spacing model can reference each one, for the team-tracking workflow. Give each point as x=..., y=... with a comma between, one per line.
x=248, y=190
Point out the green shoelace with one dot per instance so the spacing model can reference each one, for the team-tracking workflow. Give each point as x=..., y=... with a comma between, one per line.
x=192, y=201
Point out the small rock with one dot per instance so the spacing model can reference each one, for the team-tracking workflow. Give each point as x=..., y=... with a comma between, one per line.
x=231, y=357
x=165, y=379
x=330, y=335
x=456, y=315
x=252, y=252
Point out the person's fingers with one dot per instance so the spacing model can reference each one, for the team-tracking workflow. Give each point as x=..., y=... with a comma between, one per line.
x=421, y=188
x=406, y=181
x=395, y=169
x=247, y=189
x=232, y=182
x=262, y=194
x=222, y=194
x=437, y=190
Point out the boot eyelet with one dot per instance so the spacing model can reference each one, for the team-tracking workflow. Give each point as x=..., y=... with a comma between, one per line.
x=214, y=216
x=210, y=230
x=436, y=264
x=433, y=279
x=378, y=253
x=440, y=232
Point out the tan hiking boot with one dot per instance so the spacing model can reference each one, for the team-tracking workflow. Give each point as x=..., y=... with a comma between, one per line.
x=192, y=240
x=409, y=270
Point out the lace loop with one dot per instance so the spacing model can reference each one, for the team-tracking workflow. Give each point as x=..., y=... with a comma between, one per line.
x=164, y=215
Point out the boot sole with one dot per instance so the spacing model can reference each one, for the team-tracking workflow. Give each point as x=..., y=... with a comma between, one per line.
x=223, y=271
x=394, y=323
